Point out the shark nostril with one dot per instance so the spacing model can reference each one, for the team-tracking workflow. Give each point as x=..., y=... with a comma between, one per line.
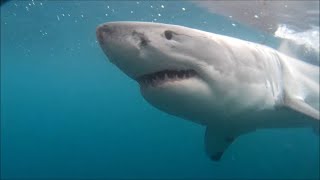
x=143, y=41
x=141, y=36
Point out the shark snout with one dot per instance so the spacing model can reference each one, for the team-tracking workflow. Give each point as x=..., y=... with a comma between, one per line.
x=122, y=43
x=103, y=32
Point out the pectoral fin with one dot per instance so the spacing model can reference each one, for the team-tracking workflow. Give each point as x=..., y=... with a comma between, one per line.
x=301, y=106
x=217, y=140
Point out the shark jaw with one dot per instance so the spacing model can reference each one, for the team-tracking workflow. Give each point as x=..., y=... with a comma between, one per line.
x=170, y=81
x=165, y=76
x=136, y=52
x=181, y=93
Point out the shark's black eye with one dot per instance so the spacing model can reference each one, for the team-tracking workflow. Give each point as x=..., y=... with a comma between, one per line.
x=168, y=34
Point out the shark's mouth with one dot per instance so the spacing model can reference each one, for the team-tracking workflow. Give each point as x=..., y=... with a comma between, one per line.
x=160, y=77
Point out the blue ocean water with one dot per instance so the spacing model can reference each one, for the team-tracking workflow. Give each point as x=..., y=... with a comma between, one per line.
x=66, y=112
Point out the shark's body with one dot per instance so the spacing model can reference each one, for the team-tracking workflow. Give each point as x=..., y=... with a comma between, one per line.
x=229, y=85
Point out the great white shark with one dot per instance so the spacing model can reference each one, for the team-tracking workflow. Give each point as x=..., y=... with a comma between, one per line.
x=229, y=85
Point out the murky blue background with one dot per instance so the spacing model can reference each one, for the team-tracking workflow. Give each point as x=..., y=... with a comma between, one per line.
x=66, y=112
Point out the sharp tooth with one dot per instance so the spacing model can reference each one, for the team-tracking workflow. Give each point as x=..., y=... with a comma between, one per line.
x=191, y=73
x=154, y=82
x=166, y=76
x=187, y=74
x=183, y=74
x=161, y=76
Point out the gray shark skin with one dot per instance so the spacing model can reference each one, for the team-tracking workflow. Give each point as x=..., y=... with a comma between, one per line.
x=231, y=86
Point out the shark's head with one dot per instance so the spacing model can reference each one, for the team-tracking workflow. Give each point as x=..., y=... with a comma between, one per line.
x=182, y=71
